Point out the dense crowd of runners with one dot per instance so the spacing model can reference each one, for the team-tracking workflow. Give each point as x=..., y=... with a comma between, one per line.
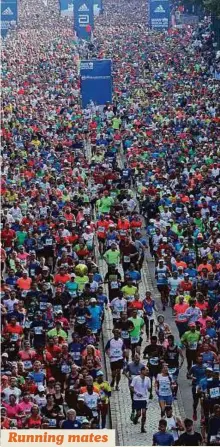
x=139, y=176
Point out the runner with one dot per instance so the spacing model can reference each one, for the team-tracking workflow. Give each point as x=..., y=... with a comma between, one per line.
x=140, y=386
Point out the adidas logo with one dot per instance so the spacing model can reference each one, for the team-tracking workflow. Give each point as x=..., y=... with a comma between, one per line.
x=159, y=9
x=83, y=8
x=7, y=12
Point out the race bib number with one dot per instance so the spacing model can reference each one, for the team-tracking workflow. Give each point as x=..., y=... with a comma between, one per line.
x=135, y=339
x=126, y=258
x=114, y=285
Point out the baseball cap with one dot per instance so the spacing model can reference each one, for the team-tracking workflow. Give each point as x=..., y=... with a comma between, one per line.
x=85, y=421
x=99, y=373
x=5, y=355
x=93, y=300
x=41, y=388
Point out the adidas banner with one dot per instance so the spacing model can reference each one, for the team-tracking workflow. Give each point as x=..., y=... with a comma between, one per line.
x=66, y=8
x=96, y=81
x=159, y=14
x=83, y=18
x=8, y=15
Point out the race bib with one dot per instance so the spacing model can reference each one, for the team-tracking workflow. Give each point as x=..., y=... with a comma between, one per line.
x=135, y=339
x=114, y=285
x=181, y=317
x=43, y=306
x=75, y=355
x=38, y=330
x=92, y=403
x=165, y=388
x=73, y=294
x=49, y=242
x=32, y=272
x=214, y=392
x=81, y=320
x=65, y=369
x=216, y=367
x=124, y=334
x=14, y=337
x=57, y=308
x=52, y=422
x=101, y=229
x=116, y=352
x=154, y=361
x=193, y=346
x=126, y=258
x=27, y=364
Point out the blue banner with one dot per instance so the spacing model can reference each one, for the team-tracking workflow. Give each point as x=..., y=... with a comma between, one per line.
x=83, y=18
x=96, y=81
x=217, y=75
x=159, y=14
x=9, y=15
x=66, y=7
x=97, y=6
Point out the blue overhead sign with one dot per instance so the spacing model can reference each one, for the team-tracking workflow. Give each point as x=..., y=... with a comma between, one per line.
x=9, y=15
x=159, y=14
x=97, y=6
x=96, y=81
x=66, y=7
x=83, y=18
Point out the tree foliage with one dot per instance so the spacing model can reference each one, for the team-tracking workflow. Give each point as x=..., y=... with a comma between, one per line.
x=213, y=6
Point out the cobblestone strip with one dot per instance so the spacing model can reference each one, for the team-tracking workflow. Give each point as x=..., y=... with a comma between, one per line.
x=120, y=402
